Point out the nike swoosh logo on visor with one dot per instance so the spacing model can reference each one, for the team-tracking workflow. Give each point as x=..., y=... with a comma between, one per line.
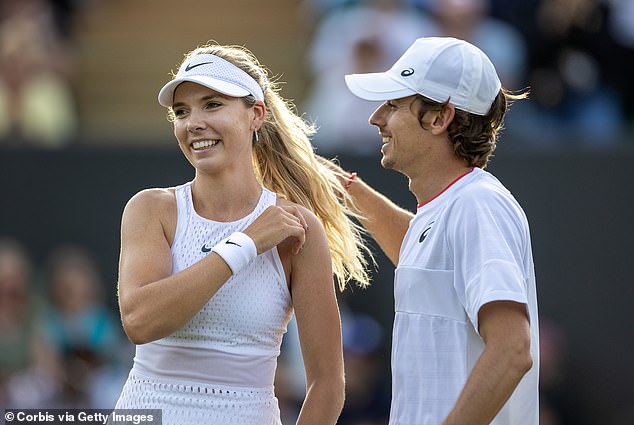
x=190, y=66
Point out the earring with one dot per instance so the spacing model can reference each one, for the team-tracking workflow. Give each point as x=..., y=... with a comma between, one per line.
x=257, y=138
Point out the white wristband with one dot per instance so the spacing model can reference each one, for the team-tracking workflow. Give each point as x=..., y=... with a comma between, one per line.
x=237, y=251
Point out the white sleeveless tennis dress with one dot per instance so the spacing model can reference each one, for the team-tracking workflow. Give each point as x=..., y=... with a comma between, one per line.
x=218, y=368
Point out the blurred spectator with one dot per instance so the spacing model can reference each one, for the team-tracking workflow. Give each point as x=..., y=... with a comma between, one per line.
x=290, y=380
x=28, y=369
x=470, y=20
x=621, y=60
x=579, y=71
x=364, y=37
x=85, y=332
x=367, y=376
x=316, y=9
x=621, y=21
x=66, y=14
x=557, y=406
x=37, y=104
x=575, y=102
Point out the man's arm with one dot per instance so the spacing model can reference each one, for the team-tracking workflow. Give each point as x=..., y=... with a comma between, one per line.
x=504, y=327
x=382, y=218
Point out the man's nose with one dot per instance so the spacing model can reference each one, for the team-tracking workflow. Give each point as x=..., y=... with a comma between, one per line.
x=378, y=116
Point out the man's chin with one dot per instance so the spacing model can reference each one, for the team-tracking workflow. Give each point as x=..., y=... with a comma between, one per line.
x=387, y=163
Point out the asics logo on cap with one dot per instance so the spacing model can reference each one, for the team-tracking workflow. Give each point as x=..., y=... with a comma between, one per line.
x=407, y=72
x=190, y=66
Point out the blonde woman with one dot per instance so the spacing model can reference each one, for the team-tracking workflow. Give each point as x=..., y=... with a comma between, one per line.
x=211, y=271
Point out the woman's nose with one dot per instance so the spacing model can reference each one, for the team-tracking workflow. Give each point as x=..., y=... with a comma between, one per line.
x=195, y=122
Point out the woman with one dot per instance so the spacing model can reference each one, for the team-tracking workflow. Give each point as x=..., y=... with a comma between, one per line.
x=210, y=271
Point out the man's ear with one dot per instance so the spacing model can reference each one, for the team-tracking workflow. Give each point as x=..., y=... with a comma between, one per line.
x=442, y=119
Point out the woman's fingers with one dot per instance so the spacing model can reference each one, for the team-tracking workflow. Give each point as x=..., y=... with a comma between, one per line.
x=299, y=234
x=276, y=224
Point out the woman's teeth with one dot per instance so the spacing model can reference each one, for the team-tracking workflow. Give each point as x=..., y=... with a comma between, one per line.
x=204, y=144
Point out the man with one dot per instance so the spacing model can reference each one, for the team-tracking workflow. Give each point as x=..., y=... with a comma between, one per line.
x=465, y=343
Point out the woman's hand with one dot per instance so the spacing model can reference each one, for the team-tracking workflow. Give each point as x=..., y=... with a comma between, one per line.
x=276, y=224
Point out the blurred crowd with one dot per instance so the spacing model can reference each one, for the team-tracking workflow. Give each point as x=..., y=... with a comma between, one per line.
x=37, y=72
x=61, y=344
x=575, y=56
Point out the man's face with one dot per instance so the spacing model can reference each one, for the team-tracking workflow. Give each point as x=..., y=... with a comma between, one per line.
x=403, y=137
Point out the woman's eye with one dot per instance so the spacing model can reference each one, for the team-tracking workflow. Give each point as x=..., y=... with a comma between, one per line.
x=211, y=105
x=179, y=112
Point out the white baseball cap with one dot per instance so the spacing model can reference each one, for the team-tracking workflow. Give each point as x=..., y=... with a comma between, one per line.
x=215, y=73
x=439, y=68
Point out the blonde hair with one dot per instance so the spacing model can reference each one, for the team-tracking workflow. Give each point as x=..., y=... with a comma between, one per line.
x=285, y=163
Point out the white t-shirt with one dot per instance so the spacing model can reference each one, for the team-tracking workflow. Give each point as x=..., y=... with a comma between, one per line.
x=468, y=246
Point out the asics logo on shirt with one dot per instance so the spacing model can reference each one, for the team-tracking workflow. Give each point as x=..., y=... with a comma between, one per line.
x=425, y=232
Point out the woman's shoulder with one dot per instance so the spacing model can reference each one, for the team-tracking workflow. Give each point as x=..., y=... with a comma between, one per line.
x=151, y=210
x=309, y=216
x=316, y=237
x=154, y=199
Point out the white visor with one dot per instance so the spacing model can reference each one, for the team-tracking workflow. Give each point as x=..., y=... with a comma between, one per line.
x=215, y=73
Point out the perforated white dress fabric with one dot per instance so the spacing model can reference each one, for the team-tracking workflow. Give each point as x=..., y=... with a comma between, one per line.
x=219, y=367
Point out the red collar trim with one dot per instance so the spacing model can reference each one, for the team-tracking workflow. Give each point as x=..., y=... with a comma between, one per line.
x=445, y=189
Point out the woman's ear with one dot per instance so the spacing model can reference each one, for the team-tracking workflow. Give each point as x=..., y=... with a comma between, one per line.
x=442, y=119
x=259, y=110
